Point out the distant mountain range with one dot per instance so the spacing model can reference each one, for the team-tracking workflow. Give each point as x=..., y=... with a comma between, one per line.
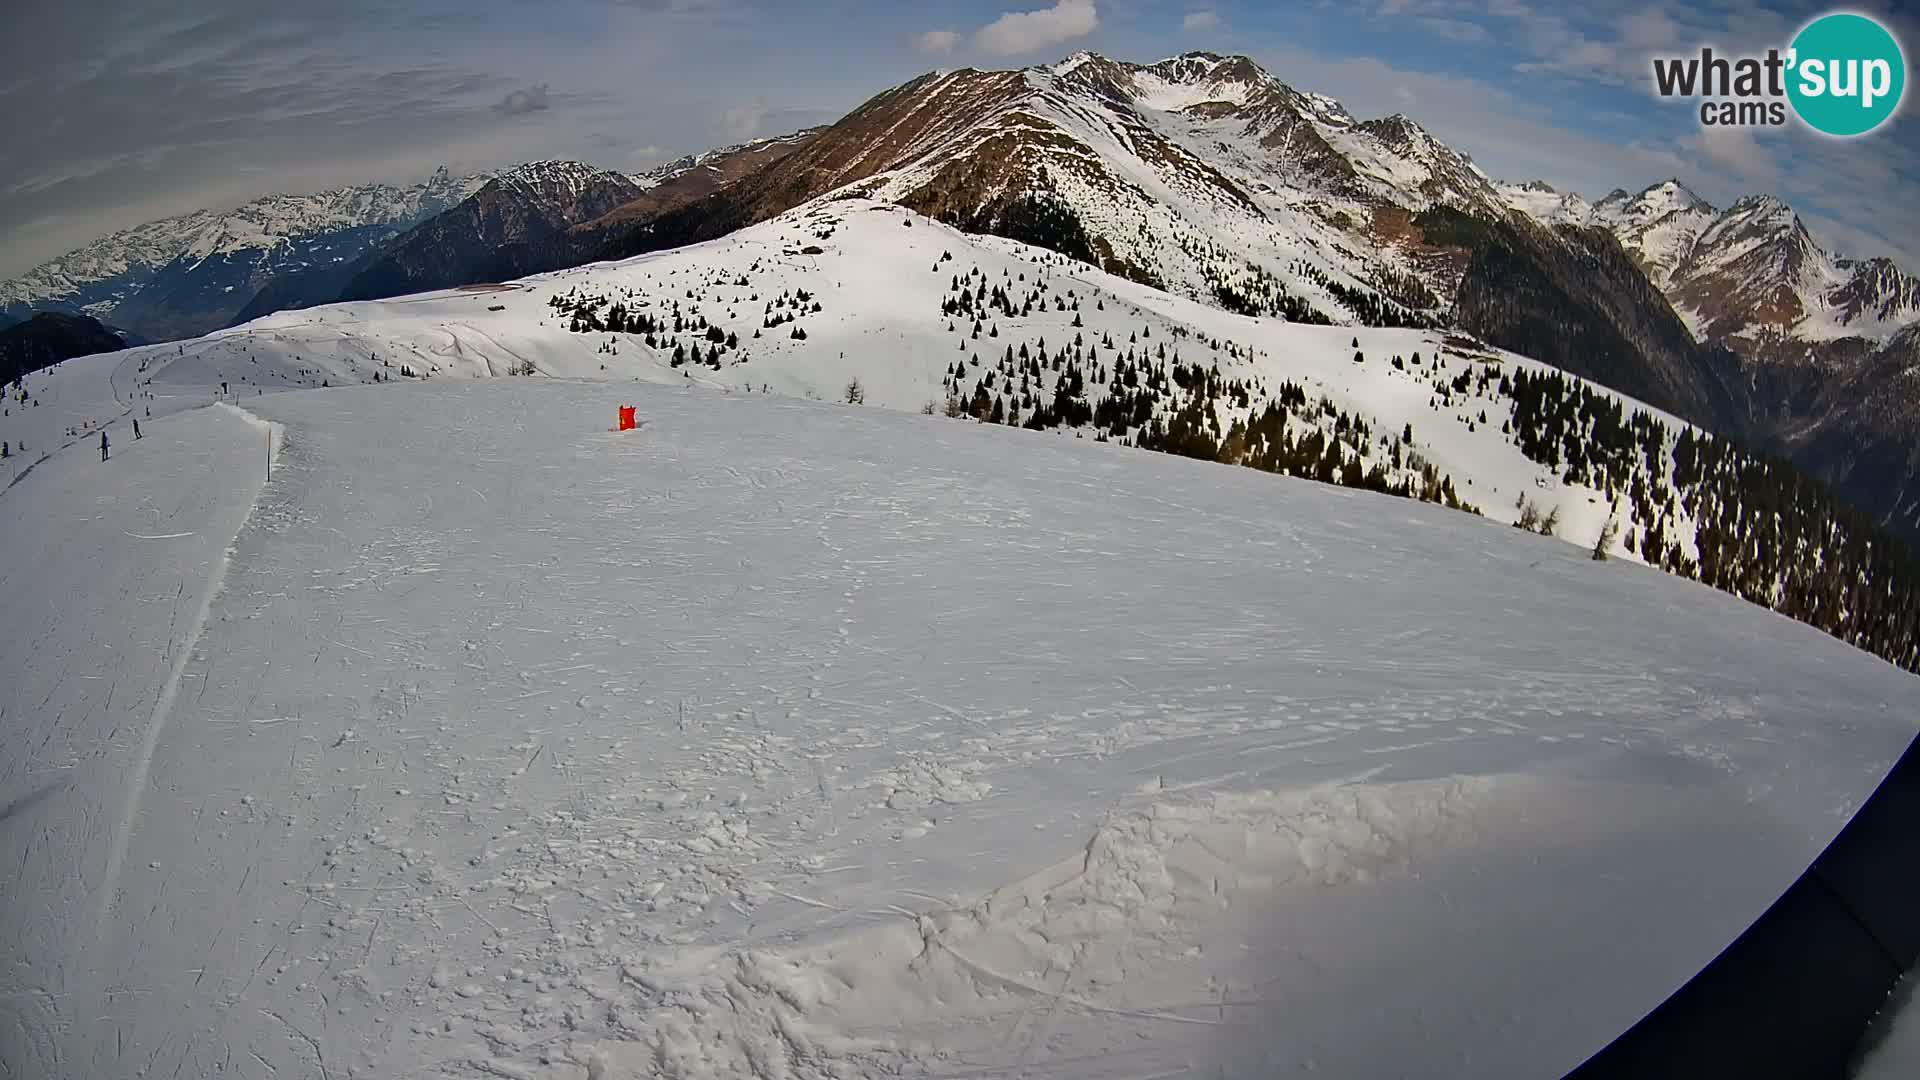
x=1749, y=275
x=1827, y=345
x=1202, y=175
x=185, y=275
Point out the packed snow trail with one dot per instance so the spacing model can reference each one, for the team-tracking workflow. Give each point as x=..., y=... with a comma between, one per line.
x=108, y=570
x=786, y=739
x=69, y=403
x=79, y=394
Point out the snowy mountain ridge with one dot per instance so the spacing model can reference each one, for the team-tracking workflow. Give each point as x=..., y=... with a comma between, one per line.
x=686, y=163
x=264, y=223
x=1750, y=274
x=560, y=180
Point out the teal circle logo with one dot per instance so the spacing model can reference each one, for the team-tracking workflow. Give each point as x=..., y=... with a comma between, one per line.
x=1847, y=74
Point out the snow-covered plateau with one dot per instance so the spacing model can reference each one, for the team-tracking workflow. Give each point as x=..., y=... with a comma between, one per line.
x=790, y=738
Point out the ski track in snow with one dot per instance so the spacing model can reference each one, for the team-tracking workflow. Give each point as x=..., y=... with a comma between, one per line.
x=163, y=705
x=793, y=740
x=101, y=629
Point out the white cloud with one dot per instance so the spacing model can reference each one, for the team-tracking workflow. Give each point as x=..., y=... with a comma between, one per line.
x=1199, y=20
x=1736, y=149
x=1028, y=31
x=645, y=155
x=935, y=41
x=742, y=122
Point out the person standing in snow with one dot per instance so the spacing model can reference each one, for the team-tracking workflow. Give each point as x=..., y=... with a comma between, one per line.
x=136, y=428
x=103, y=444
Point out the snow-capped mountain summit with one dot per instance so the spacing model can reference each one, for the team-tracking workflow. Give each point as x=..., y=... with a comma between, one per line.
x=1659, y=226
x=1548, y=205
x=1752, y=270
x=1750, y=275
x=1757, y=278
x=1825, y=343
x=187, y=274
x=554, y=179
x=1656, y=201
x=1200, y=173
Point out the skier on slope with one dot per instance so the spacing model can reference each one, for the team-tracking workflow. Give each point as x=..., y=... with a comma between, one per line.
x=136, y=428
x=103, y=444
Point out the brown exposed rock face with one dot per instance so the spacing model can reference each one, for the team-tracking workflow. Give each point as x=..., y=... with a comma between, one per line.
x=1443, y=263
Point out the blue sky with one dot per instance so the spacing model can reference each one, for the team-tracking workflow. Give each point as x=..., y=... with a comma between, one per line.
x=119, y=111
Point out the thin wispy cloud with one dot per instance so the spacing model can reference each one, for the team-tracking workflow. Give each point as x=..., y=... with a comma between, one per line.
x=1199, y=21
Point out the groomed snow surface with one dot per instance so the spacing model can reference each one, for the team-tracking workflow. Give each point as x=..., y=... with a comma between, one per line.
x=788, y=739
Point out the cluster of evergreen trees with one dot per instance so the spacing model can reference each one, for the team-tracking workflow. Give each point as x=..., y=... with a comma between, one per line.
x=1370, y=308
x=1747, y=524
x=1143, y=393
x=686, y=330
x=1255, y=291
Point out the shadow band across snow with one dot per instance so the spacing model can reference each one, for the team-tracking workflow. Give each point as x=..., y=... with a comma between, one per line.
x=1792, y=995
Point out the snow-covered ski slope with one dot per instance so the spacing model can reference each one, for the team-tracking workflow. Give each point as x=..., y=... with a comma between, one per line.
x=797, y=739
x=879, y=275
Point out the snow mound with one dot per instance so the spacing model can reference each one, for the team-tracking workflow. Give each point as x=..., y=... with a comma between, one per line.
x=1103, y=934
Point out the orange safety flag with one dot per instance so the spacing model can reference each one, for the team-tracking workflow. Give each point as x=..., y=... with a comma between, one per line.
x=626, y=418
